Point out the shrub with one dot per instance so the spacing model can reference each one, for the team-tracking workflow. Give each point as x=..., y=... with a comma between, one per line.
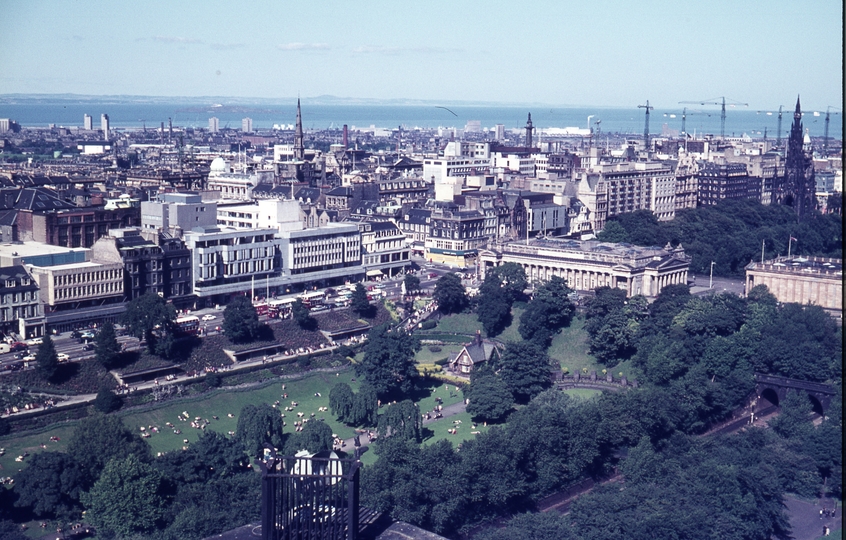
x=434, y=348
x=428, y=325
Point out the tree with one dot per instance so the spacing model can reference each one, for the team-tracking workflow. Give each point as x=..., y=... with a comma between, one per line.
x=490, y=399
x=794, y=420
x=411, y=282
x=511, y=277
x=365, y=405
x=98, y=439
x=549, y=310
x=50, y=486
x=46, y=359
x=302, y=316
x=127, y=498
x=259, y=426
x=240, y=320
x=388, y=362
x=149, y=317
x=450, y=294
x=494, y=308
x=106, y=346
x=403, y=420
x=315, y=437
x=525, y=370
x=359, y=302
x=537, y=526
x=613, y=232
x=341, y=398
x=107, y=401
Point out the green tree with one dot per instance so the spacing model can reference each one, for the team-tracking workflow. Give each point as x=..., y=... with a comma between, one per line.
x=549, y=311
x=315, y=437
x=411, y=282
x=302, y=316
x=490, y=398
x=212, y=456
x=537, y=526
x=364, y=408
x=388, y=363
x=794, y=420
x=613, y=232
x=403, y=420
x=98, y=439
x=511, y=277
x=149, y=317
x=50, y=486
x=106, y=346
x=127, y=499
x=240, y=320
x=450, y=294
x=341, y=399
x=259, y=425
x=107, y=401
x=494, y=308
x=359, y=302
x=46, y=359
x=525, y=370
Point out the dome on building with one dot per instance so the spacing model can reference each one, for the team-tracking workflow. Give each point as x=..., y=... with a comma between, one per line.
x=219, y=165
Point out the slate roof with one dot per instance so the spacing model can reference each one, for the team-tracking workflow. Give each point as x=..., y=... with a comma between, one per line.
x=37, y=200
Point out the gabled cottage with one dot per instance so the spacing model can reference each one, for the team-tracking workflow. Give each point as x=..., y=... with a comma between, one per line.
x=474, y=353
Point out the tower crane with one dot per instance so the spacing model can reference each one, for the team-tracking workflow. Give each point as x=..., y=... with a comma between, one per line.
x=827, y=120
x=646, y=124
x=778, y=134
x=712, y=101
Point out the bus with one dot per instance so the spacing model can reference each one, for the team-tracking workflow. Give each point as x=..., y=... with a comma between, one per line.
x=312, y=299
x=280, y=308
x=189, y=325
x=262, y=308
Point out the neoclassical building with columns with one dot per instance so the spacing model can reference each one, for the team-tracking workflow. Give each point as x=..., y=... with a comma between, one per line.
x=589, y=264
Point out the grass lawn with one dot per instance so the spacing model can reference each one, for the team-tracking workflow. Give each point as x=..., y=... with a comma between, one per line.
x=459, y=323
x=570, y=348
x=17, y=445
x=425, y=356
x=582, y=393
x=226, y=402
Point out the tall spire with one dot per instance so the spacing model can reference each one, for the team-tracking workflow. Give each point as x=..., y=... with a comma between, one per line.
x=299, y=148
x=798, y=187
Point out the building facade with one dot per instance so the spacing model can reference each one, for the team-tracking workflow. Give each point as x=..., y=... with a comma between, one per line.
x=803, y=280
x=587, y=265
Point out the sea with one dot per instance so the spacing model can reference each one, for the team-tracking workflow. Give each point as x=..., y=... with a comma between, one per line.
x=700, y=120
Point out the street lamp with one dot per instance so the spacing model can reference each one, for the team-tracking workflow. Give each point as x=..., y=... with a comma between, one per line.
x=711, y=280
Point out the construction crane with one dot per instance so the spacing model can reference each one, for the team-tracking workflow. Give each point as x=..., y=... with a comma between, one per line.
x=827, y=120
x=722, y=102
x=770, y=113
x=646, y=124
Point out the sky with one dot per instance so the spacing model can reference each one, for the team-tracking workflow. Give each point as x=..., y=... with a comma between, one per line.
x=556, y=52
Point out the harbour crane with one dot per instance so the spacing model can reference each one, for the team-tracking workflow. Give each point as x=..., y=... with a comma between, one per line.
x=827, y=120
x=712, y=101
x=778, y=134
x=646, y=124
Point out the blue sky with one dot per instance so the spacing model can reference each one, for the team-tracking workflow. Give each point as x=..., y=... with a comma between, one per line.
x=600, y=53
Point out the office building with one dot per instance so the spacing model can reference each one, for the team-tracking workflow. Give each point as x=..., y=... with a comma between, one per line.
x=214, y=124
x=104, y=125
x=87, y=122
x=247, y=125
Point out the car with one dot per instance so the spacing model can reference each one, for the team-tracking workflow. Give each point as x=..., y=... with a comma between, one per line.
x=18, y=346
x=35, y=341
x=208, y=317
x=63, y=357
x=29, y=358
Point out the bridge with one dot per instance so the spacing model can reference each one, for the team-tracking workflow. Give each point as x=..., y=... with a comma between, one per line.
x=774, y=389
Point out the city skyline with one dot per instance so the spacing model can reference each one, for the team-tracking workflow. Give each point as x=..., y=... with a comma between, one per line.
x=612, y=54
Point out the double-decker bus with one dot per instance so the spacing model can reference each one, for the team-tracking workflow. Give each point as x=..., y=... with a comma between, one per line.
x=313, y=299
x=280, y=308
x=262, y=308
x=188, y=325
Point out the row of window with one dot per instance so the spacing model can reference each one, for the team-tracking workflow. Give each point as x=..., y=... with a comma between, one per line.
x=89, y=291
x=25, y=296
x=86, y=277
x=16, y=313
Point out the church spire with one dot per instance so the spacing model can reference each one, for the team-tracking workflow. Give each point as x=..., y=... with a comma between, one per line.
x=299, y=148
